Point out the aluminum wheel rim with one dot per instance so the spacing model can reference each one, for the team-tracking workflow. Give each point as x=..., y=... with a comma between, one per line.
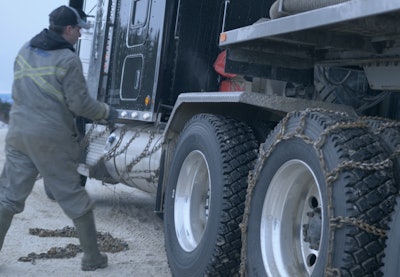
x=291, y=206
x=192, y=200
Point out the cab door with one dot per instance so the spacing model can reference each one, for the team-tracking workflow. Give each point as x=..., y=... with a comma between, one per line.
x=136, y=57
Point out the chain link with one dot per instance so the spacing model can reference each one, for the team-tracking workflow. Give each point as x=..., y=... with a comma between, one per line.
x=113, y=153
x=144, y=153
x=339, y=221
x=330, y=177
x=332, y=272
x=88, y=138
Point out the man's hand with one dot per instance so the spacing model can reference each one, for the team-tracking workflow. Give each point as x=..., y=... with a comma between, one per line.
x=112, y=115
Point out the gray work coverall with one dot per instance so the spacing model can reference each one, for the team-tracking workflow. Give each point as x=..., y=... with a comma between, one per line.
x=49, y=91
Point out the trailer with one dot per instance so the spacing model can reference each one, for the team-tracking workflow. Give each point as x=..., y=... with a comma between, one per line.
x=268, y=131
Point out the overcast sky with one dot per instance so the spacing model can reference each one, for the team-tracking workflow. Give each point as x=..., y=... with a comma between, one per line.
x=20, y=20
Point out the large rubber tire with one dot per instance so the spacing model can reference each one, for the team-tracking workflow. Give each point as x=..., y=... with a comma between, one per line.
x=311, y=214
x=204, y=199
x=391, y=267
x=389, y=132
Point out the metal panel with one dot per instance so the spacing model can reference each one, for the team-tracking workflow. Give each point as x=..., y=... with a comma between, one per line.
x=384, y=76
x=273, y=103
x=135, y=58
x=280, y=105
x=335, y=14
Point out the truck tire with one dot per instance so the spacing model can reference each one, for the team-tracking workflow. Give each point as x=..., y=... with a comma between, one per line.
x=391, y=265
x=204, y=199
x=323, y=192
x=389, y=132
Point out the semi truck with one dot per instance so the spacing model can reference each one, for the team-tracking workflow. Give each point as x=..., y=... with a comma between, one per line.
x=268, y=131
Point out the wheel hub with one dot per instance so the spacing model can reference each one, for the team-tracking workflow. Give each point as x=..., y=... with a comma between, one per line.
x=192, y=201
x=312, y=230
x=292, y=221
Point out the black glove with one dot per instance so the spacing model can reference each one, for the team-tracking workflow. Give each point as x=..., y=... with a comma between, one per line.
x=112, y=115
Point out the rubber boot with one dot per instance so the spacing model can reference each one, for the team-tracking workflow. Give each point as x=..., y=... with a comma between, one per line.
x=6, y=217
x=92, y=258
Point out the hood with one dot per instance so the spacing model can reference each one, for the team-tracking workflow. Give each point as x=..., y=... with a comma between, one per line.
x=50, y=40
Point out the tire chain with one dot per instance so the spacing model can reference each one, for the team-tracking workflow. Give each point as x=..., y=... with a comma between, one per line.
x=383, y=125
x=330, y=177
x=112, y=153
x=106, y=242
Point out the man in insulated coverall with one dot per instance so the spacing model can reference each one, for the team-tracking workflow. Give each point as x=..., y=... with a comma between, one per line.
x=49, y=92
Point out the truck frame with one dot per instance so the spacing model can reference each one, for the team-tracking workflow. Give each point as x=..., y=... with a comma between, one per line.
x=291, y=171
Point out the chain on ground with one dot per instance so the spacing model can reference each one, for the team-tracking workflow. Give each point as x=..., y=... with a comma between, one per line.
x=106, y=242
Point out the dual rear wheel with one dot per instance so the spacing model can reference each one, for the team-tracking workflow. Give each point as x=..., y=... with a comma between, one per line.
x=319, y=198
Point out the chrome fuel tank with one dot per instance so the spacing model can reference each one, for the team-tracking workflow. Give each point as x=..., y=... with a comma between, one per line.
x=130, y=155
